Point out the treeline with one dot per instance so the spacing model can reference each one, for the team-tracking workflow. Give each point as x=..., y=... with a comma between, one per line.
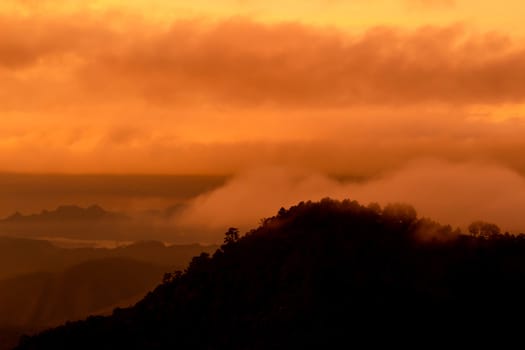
x=317, y=273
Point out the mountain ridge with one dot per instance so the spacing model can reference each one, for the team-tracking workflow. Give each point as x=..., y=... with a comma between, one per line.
x=67, y=213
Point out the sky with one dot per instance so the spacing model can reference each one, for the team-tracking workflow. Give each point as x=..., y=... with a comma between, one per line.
x=422, y=101
x=176, y=87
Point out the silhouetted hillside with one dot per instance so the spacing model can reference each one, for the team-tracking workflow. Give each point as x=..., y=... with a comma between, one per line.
x=9, y=338
x=315, y=274
x=43, y=285
x=19, y=256
x=25, y=256
x=46, y=299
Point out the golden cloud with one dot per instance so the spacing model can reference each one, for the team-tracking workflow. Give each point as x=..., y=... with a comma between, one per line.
x=238, y=62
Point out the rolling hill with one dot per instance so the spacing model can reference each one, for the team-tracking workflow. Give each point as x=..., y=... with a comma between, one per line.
x=24, y=256
x=42, y=285
x=48, y=299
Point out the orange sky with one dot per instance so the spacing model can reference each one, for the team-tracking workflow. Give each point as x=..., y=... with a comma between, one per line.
x=200, y=86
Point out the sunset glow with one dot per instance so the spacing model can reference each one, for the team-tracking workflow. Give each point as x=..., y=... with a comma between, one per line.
x=207, y=87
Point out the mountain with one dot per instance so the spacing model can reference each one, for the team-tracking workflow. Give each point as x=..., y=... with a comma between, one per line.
x=319, y=274
x=42, y=285
x=46, y=299
x=74, y=223
x=22, y=256
x=67, y=213
x=25, y=256
x=10, y=337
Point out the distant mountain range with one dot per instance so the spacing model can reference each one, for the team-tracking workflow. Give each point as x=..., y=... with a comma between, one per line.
x=67, y=213
x=93, y=223
x=42, y=285
x=24, y=256
x=93, y=287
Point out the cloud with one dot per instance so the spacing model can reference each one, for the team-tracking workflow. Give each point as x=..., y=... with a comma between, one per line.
x=26, y=42
x=290, y=65
x=243, y=63
x=452, y=193
x=114, y=94
x=353, y=143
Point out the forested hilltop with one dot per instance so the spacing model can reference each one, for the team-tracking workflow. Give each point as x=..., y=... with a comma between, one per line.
x=315, y=273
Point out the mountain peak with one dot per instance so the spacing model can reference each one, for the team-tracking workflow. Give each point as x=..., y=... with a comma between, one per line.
x=67, y=213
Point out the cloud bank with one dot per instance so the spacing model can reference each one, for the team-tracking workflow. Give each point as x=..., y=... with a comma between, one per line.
x=245, y=63
x=452, y=193
x=112, y=93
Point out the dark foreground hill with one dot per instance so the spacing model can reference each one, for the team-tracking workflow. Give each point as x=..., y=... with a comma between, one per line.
x=315, y=274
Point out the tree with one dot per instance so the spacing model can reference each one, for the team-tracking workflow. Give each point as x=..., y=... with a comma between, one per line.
x=400, y=213
x=231, y=236
x=375, y=207
x=483, y=229
x=171, y=276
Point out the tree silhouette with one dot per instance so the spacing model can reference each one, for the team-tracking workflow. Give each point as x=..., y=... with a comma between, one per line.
x=483, y=229
x=231, y=236
x=400, y=213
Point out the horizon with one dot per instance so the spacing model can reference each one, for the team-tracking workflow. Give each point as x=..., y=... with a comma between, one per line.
x=200, y=208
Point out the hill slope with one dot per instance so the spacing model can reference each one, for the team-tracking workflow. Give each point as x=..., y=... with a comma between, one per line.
x=42, y=285
x=315, y=273
x=24, y=256
x=46, y=299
